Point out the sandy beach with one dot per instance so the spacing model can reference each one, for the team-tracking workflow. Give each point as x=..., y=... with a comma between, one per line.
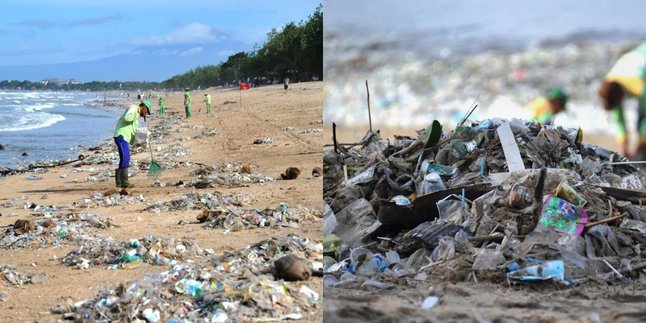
x=293, y=121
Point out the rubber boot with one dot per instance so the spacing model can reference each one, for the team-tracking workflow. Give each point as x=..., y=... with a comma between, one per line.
x=124, y=179
x=117, y=176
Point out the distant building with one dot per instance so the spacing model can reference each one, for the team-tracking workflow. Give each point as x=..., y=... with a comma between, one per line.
x=59, y=82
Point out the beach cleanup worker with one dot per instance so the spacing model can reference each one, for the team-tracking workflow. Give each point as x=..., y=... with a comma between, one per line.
x=626, y=77
x=125, y=136
x=545, y=108
x=207, y=99
x=187, y=102
x=161, y=105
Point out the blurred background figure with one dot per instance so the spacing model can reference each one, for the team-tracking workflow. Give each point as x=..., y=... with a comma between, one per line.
x=545, y=108
x=428, y=60
x=627, y=77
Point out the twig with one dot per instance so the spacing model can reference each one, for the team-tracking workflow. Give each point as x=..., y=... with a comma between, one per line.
x=466, y=117
x=336, y=147
x=613, y=268
x=591, y=224
x=31, y=167
x=344, y=144
x=634, y=268
x=627, y=162
x=369, y=114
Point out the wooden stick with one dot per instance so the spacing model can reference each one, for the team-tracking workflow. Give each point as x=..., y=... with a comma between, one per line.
x=369, y=114
x=336, y=147
x=634, y=268
x=627, y=162
x=345, y=172
x=469, y=112
x=591, y=224
x=344, y=144
x=613, y=268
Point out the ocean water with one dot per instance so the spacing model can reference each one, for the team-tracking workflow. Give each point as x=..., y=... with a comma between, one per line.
x=51, y=125
x=427, y=60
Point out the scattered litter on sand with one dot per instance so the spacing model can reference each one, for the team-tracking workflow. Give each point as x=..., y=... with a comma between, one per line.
x=234, y=286
x=266, y=140
x=12, y=277
x=233, y=218
x=62, y=228
x=130, y=254
x=198, y=201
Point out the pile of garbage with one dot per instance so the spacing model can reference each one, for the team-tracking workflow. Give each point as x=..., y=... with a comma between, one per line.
x=310, y=130
x=58, y=229
x=226, y=174
x=40, y=210
x=232, y=218
x=94, y=174
x=172, y=152
x=10, y=277
x=266, y=140
x=234, y=286
x=98, y=199
x=208, y=133
x=226, y=167
x=105, y=154
x=130, y=254
x=497, y=200
x=199, y=201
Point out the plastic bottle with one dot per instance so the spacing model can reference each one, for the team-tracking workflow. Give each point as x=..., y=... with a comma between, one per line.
x=400, y=200
x=462, y=147
x=189, y=286
x=433, y=183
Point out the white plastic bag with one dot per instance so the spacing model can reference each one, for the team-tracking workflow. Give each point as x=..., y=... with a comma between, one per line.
x=142, y=137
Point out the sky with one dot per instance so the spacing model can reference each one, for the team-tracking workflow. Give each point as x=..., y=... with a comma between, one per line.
x=127, y=40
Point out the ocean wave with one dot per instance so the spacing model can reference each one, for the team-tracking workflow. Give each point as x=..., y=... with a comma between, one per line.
x=33, y=121
x=37, y=107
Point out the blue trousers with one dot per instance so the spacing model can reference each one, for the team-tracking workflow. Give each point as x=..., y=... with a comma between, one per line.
x=124, y=152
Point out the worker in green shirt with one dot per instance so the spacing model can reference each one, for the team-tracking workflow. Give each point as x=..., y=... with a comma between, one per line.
x=161, y=105
x=545, y=108
x=187, y=102
x=207, y=99
x=124, y=136
x=626, y=77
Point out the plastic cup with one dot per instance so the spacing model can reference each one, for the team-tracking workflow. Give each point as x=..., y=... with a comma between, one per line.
x=566, y=192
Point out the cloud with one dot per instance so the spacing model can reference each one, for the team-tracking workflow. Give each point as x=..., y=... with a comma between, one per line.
x=194, y=33
x=94, y=21
x=191, y=51
x=48, y=24
x=42, y=24
x=168, y=52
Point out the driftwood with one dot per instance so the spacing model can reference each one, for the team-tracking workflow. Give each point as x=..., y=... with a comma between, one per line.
x=30, y=167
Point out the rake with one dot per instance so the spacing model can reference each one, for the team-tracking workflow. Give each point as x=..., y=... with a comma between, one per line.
x=154, y=169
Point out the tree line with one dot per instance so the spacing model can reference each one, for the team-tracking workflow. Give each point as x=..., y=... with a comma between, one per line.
x=295, y=51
